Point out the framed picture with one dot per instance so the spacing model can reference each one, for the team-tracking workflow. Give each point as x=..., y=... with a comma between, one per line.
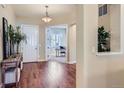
x=6, y=42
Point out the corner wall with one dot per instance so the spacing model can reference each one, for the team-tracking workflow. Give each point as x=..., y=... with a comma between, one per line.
x=8, y=13
x=92, y=70
x=80, y=75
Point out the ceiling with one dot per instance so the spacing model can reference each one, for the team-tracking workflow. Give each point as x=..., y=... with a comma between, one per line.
x=38, y=10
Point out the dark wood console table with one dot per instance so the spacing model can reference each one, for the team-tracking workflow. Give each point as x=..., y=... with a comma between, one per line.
x=11, y=62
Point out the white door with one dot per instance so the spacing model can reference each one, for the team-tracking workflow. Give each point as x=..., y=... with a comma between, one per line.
x=30, y=48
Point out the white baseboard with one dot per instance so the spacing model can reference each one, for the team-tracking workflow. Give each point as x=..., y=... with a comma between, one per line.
x=35, y=61
x=30, y=62
x=72, y=62
x=42, y=60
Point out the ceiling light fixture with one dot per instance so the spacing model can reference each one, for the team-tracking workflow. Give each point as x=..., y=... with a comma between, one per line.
x=46, y=18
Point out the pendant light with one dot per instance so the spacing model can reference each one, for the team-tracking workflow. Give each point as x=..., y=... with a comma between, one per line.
x=46, y=18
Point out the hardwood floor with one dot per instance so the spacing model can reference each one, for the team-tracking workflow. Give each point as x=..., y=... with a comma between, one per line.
x=48, y=75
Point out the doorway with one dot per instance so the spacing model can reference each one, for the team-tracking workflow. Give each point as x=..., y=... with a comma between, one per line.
x=56, y=43
x=30, y=49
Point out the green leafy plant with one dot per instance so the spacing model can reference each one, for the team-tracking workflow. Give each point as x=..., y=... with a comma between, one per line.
x=103, y=40
x=12, y=38
x=15, y=36
x=18, y=37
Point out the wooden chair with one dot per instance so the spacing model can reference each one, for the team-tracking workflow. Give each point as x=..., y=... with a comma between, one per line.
x=62, y=51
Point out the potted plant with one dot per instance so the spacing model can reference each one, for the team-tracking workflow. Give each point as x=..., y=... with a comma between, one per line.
x=103, y=40
x=12, y=38
x=18, y=38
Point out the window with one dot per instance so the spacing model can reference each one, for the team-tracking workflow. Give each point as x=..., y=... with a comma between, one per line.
x=100, y=11
x=103, y=10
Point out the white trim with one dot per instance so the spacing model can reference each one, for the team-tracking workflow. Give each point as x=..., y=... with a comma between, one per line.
x=35, y=61
x=46, y=29
x=109, y=53
x=70, y=27
x=30, y=62
x=121, y=29
x=67, y=33
x=66, y=27
x=41, y=60
x=72, y=62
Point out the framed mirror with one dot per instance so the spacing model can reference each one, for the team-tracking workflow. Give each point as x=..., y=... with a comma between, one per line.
x=109, y=29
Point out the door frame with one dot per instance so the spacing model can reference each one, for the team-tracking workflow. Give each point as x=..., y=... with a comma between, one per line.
x=46, y=29
x=37, y=26
x=71, y=61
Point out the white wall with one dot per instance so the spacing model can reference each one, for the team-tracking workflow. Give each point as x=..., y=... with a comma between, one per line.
x=115, y=27
x=8, y=13
x=95, y=66
x=72, y=43
x=80, y=73
x=97, y=71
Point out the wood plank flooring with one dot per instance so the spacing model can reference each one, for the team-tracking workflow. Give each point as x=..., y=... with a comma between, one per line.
x=48, y=75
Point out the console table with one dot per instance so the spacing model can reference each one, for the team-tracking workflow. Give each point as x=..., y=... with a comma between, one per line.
x=11, y=62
